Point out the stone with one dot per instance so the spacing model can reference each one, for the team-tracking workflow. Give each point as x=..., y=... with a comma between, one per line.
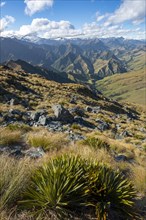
x=62, y=114
x=83, y=122
x=102, y=125
x=43, y=120
x=55, y=126
x=76, y=137
x=121, y=157
x=12, y=102
x=35, y=153
x=78, y=111
x=132, y=115
x=88, y=109
x=15, y=112
x=35, y=115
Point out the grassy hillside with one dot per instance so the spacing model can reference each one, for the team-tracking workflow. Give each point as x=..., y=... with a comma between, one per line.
x=47, y=173
x=129, y=87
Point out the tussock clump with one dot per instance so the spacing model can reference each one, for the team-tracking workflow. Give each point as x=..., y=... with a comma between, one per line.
x=46, y=140
x=13, y=179
x=9, y=137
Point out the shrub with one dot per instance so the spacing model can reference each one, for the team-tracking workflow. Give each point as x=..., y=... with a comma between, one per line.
x=110, y=193
x=68, y=183
x=59, y=186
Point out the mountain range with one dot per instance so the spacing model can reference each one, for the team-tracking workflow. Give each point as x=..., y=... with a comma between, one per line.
x=80, y=60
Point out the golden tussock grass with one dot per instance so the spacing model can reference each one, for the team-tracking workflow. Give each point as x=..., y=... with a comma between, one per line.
x=8, y=137
x=138, y=177
x=14, y=178
x=46, y=140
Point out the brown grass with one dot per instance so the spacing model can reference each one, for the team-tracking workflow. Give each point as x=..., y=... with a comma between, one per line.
x=46, y=140
x=8, y=137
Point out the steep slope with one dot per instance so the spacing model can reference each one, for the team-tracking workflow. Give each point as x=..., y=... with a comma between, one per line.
x=129, y=87
x=20, y=65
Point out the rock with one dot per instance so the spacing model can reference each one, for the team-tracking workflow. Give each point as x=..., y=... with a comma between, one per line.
x=102, y=125
x=132, y=115
x=76, y=137
x=35, y=115
x=121, y=157
x=96, y=109
x=88, y=109
x=78, y=111
x=62, y=114
x=126, y=134
x=55, y=126
x=16, y=153
x=12, y=102
x=82, y=122
x=15, y=112
x=73, y=100
x=43, y=120
x=35, y=153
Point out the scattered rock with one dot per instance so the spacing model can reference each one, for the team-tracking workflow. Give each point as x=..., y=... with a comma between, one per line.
x=102, y=125
x=43, y=120
x=55, y=126
x=35, y=153
x=76, y=137
x=35, y=115
x=62, y=114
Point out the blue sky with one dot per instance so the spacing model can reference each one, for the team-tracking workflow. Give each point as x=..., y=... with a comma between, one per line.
x=66, y=18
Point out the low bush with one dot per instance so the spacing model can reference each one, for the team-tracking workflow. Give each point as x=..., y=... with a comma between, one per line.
x=67, y=183
x=57, y=186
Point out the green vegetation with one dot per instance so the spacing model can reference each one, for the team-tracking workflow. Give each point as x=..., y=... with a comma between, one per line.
x=129, y=88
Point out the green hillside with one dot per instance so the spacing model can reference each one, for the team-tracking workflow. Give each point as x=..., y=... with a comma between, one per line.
x=129, y=87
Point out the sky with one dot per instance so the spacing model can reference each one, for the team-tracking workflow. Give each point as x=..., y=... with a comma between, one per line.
x=73, y=18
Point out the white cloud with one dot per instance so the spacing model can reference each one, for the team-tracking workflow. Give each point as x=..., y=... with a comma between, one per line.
x=128, y=11
x=5, y=21
x=100, y=17
x=2, y=4
x=44, y=28
x=33, y=6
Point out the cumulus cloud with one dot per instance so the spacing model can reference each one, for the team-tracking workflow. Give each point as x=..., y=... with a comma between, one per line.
x=128, y=11
x=44, y=28
x=33, y=6
x=2, y=4
x=6, y=21
x=99, y=31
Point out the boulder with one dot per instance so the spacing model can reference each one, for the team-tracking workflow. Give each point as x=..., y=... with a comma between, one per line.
x=62, y=114
x=35, y=115
x=43, y=120
x=35, y=153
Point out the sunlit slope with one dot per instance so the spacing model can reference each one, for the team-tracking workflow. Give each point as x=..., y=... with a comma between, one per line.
x=129, y=87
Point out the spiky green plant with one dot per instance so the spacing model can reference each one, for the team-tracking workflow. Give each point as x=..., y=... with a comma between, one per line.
x=110, y=193
x=58, y=186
